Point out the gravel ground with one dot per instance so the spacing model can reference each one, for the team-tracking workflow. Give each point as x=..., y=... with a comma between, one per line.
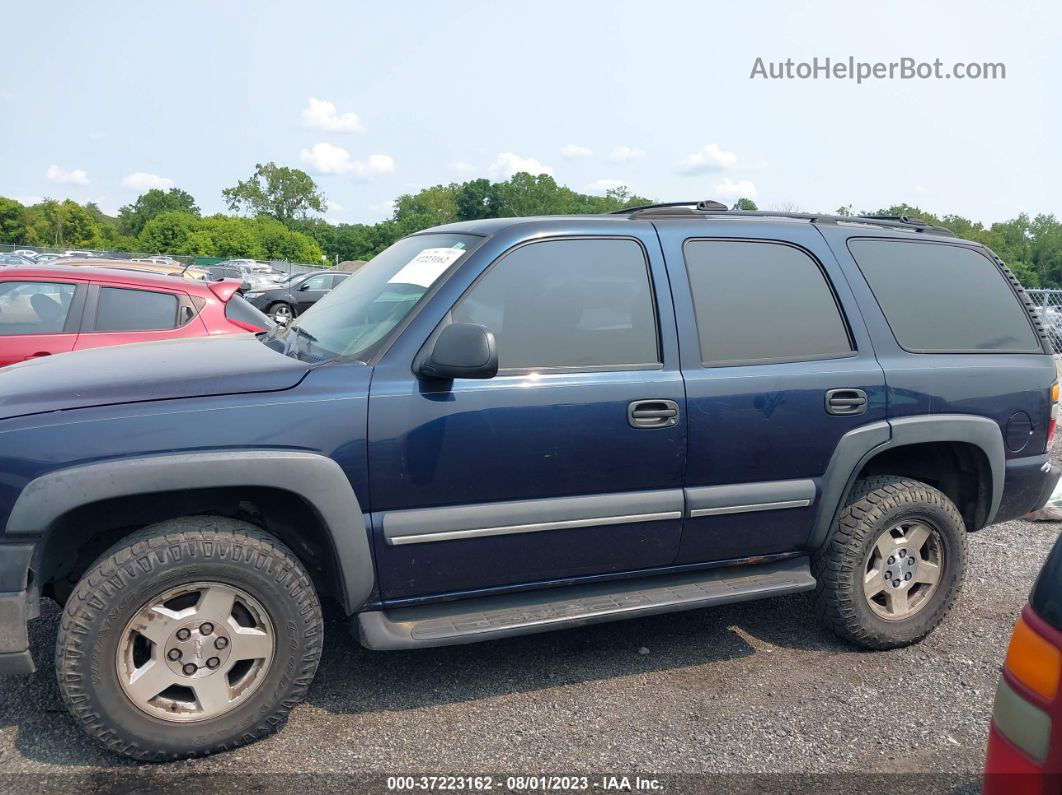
x=751, y=688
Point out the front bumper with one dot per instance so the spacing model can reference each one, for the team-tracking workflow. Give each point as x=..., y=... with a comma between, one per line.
x=15, y=610
x=18, y=604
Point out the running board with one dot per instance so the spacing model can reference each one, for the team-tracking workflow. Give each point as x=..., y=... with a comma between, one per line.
x=491, y=617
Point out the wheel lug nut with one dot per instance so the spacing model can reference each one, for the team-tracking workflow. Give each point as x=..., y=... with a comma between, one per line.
x=903, y=553
x=189, y=669
x=213, y=663
x=183, y=634
x=221, y=643
x=907, y=576
x=888, y=575
x=174, y=654
x=891, y=560
x=206, y=628
x=895, y=583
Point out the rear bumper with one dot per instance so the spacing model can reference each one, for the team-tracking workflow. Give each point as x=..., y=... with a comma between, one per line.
x=15, y=610
x=1028, y=485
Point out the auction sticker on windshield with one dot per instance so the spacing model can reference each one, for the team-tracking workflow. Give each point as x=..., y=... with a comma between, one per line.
x=426, y=267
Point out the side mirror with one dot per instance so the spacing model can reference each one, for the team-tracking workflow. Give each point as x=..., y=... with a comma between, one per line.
x=462, y=350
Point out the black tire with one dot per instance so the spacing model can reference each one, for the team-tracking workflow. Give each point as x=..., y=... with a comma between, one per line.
x=272, y=311
x=151, y=562
x=875, y=505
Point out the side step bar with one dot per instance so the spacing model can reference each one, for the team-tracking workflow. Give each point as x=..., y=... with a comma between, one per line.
x=488, y=618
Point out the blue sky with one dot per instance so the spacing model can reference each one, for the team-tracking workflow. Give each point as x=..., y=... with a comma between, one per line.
x=105, y=99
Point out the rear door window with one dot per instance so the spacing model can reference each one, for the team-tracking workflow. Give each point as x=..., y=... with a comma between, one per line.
x=124, y=309
x=944, y=298
x=760, y=301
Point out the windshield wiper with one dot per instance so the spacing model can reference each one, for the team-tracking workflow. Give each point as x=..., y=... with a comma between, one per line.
x=296, y=349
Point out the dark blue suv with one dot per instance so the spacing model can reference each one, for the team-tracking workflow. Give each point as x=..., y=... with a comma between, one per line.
x=513, y=425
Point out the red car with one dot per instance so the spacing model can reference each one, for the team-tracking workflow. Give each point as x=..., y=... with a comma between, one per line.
x=46, y=310
x=1025, y=739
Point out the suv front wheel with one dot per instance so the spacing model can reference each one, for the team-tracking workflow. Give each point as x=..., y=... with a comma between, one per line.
x=893, y=565
x=191, y=636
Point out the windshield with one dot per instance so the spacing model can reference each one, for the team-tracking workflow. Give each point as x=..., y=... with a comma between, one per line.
x=357, y=315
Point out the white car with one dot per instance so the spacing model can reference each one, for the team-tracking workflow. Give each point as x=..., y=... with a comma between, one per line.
x=25, y=252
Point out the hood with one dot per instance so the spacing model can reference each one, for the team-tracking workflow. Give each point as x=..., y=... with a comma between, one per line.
x=201, y=367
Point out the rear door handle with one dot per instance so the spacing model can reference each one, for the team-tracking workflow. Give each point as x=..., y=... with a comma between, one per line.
x=39, y=354
x=846, y=402
x=653, y=413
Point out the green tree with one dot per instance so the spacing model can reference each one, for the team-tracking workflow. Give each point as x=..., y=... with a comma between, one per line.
x=280, y=243
x=477, y=198
x=233, y=237
x=285, y=193
x=12, y=221
x=745, y=204
x=65, y=223
x=133, y=217
x=175, y=233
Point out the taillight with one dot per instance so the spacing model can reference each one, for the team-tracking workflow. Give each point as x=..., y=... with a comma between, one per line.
x=1033, y=664
x=1053, y=422
x=1034, y=661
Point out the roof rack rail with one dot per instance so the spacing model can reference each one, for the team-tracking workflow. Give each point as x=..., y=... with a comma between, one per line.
x=703, y=205
x=709, y=207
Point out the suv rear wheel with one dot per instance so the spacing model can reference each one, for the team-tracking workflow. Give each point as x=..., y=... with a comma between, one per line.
x=893, y=565
x=189, y=637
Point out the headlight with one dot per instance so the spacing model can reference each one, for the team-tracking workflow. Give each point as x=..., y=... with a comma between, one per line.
x=252, y=294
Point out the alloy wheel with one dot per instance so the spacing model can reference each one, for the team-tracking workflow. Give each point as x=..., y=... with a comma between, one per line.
x=195, y=652
x=903, y=569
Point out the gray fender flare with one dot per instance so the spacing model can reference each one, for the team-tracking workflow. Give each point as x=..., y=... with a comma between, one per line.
x=860, y=444
x=318, y=480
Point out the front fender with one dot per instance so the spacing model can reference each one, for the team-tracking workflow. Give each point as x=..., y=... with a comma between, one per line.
x=318, y=480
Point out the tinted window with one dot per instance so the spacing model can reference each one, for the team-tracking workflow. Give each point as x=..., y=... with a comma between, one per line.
x=34, y=307
x=321, y=282
x=762, y=301
x=120, y=309
x=940, y=297
x=567, y=303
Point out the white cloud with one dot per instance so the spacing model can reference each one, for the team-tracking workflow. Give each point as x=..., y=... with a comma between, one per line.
x=508, y=163
x=320, y=114
x=602, y=186
x=573, y=151
x=461, y=167
x=729, y=189
x=921, y=189
x=621, y=154
x=142, y=180
x=334, y=206
x=329, y=159
x=708, y=159
x=75, y=177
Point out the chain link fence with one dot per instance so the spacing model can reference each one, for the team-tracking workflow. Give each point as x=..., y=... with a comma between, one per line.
x=281, y=266
x=1049, y=307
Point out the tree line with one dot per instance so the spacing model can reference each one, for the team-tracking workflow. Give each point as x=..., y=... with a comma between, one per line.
x=275, y=215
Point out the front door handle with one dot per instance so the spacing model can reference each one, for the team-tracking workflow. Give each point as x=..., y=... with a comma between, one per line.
x=846, y=402
x=39, y=354
x=653, y=413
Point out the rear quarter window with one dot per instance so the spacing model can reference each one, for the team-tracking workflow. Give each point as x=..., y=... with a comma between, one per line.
x=944, y=298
